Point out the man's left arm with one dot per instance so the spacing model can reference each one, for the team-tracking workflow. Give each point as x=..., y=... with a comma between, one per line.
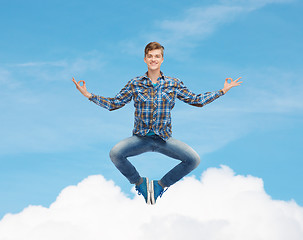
x=200, y=100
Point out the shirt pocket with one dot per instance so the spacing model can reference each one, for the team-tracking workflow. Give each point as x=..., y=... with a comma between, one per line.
x=168, y=95
x=142, y=95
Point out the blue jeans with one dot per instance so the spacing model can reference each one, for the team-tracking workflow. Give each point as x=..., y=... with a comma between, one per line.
x=136, y=145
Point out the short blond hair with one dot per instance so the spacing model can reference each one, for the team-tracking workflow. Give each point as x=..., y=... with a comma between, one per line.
x=152, y=46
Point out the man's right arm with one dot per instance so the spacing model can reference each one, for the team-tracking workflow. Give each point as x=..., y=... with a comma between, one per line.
x=122, y=98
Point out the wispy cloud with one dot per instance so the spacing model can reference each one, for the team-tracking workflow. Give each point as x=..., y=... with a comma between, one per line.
x=252, y=4
x=198, y=23
x=39, y=113
x=62, y=63
x=59, y=70
x=221, y=205
x=7, y=81
x=266, y=89
x=268, y=99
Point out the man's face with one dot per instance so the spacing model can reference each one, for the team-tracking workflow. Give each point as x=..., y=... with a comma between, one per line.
x=154, y=59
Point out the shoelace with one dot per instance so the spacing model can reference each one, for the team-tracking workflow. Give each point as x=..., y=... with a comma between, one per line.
x=137, y=188
x=162, y=191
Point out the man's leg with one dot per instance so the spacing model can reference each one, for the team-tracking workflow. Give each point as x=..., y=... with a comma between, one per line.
x=180, y=151
x=129, y=147
x=132, y=146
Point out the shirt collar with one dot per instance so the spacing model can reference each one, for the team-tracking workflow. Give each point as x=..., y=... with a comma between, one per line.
x=162, y=78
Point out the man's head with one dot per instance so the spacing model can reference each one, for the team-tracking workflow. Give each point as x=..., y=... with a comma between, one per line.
x=153, y=56
x=152, y=46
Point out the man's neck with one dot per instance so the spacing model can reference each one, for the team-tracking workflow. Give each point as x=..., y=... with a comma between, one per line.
x=154, y=75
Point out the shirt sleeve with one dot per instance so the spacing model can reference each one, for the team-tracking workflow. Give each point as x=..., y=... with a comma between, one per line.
x=122, y=98
x=198, y=100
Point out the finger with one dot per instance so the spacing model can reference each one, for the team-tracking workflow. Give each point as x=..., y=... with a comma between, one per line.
x=226, y=80
x=81, y=81
x=238, y=79
x=238, y=82
x=77, y=85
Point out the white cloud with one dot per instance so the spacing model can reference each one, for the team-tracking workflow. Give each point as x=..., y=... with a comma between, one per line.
x=221, y=205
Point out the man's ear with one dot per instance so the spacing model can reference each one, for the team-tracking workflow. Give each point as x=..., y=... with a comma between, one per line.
x=144, y=59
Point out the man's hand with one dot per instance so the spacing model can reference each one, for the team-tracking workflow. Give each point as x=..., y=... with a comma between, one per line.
x=82, y=88
x=233, y=83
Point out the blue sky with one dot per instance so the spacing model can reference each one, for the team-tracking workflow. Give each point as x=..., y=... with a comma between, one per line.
x=53, y=137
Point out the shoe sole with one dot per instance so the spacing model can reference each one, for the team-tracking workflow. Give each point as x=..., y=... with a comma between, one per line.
x=152, y=193
x=148, y=192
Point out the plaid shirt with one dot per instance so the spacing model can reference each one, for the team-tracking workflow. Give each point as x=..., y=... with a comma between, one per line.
x=153, y=104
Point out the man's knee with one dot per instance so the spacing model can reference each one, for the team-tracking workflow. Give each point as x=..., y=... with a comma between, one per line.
x=195, y=161
x=114, y=154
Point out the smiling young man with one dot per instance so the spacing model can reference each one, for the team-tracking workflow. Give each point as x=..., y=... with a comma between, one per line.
x=154, y=97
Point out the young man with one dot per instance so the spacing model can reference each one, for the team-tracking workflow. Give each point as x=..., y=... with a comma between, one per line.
x=154, y=97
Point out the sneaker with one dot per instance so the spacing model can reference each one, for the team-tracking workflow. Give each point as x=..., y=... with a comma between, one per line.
x=156, y=190
x=143, y=189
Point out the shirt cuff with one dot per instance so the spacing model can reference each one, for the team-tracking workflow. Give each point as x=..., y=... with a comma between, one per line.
x=91, y=98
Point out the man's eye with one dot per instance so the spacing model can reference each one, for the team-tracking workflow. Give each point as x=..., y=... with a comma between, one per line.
x=156, y=56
